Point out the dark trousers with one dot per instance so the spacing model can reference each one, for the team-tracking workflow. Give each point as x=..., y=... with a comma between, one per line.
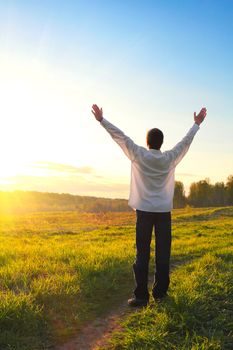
x=161, y=222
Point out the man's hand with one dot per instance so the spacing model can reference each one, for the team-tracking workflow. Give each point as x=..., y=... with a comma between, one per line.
x=98, y=113
x=200, y=117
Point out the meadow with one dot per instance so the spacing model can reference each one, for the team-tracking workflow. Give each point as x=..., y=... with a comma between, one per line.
x=61, y=270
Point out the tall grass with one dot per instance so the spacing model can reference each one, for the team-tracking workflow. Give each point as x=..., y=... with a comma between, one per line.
x=198, y=313
x=58, y=271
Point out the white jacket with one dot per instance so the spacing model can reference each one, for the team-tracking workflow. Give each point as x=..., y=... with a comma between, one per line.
x=152, y=171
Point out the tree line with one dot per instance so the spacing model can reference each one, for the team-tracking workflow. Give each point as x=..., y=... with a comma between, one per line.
x=33, y=201
x=201, y=194
x=204, y=194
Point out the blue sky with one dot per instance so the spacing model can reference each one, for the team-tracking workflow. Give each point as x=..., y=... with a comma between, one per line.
x=148, y=63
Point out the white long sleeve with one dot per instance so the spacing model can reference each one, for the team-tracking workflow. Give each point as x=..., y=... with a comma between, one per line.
x=127, y=145
x=176, y=154
x=152, y=171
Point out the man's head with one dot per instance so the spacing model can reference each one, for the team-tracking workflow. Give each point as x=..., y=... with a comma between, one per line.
x=154, y=139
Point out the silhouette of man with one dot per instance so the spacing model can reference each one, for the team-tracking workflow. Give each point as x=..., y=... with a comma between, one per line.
x=151, y=195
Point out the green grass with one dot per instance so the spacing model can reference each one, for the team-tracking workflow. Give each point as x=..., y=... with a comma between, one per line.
x=59, y=271
x=198, y=314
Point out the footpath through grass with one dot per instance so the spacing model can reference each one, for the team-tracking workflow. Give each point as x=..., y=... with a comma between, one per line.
x=59, y=271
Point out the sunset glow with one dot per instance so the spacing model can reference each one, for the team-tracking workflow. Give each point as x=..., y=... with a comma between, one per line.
x=57, y=60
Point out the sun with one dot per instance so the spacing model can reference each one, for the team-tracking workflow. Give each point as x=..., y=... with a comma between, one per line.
x=27, y=109
x=15, y=126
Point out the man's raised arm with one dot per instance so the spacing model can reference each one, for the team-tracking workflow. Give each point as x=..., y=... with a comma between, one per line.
x=127, y=145
x=176, y=154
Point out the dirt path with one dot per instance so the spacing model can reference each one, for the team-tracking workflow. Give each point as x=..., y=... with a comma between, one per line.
x=98, y=332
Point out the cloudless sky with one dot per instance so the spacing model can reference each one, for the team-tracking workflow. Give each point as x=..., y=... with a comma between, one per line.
x=147, y=63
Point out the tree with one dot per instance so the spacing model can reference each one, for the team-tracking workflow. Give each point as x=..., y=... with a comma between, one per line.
x=200, y=194
x=179, y=200
x=229, y=190
x=219, y=194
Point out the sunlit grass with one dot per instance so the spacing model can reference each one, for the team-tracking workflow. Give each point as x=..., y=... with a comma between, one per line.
x=58, y=271
x=198, y=311
x=66, y=268
x=196, y=315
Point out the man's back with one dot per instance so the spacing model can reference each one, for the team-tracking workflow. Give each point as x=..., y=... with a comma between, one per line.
x=152, y=171
x=152, y=181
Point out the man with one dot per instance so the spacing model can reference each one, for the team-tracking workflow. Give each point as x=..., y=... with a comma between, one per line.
x=151, y=194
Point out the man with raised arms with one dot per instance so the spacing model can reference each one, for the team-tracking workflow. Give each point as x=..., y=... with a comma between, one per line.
x=151, y=195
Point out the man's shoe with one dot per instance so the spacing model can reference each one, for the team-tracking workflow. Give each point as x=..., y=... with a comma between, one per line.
x=135, y=302
x=159, y=298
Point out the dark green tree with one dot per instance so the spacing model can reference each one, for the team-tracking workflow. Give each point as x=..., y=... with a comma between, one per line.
x=229, y=190
x=179, y=200
x=201, y=193
x=218, y=194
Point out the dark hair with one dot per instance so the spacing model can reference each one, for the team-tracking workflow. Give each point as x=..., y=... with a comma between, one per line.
x=154, y=138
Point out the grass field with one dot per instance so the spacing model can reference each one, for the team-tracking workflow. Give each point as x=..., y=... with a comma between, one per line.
x=59, y=271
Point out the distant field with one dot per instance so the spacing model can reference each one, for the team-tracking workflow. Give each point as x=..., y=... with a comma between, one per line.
x=58, y=271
